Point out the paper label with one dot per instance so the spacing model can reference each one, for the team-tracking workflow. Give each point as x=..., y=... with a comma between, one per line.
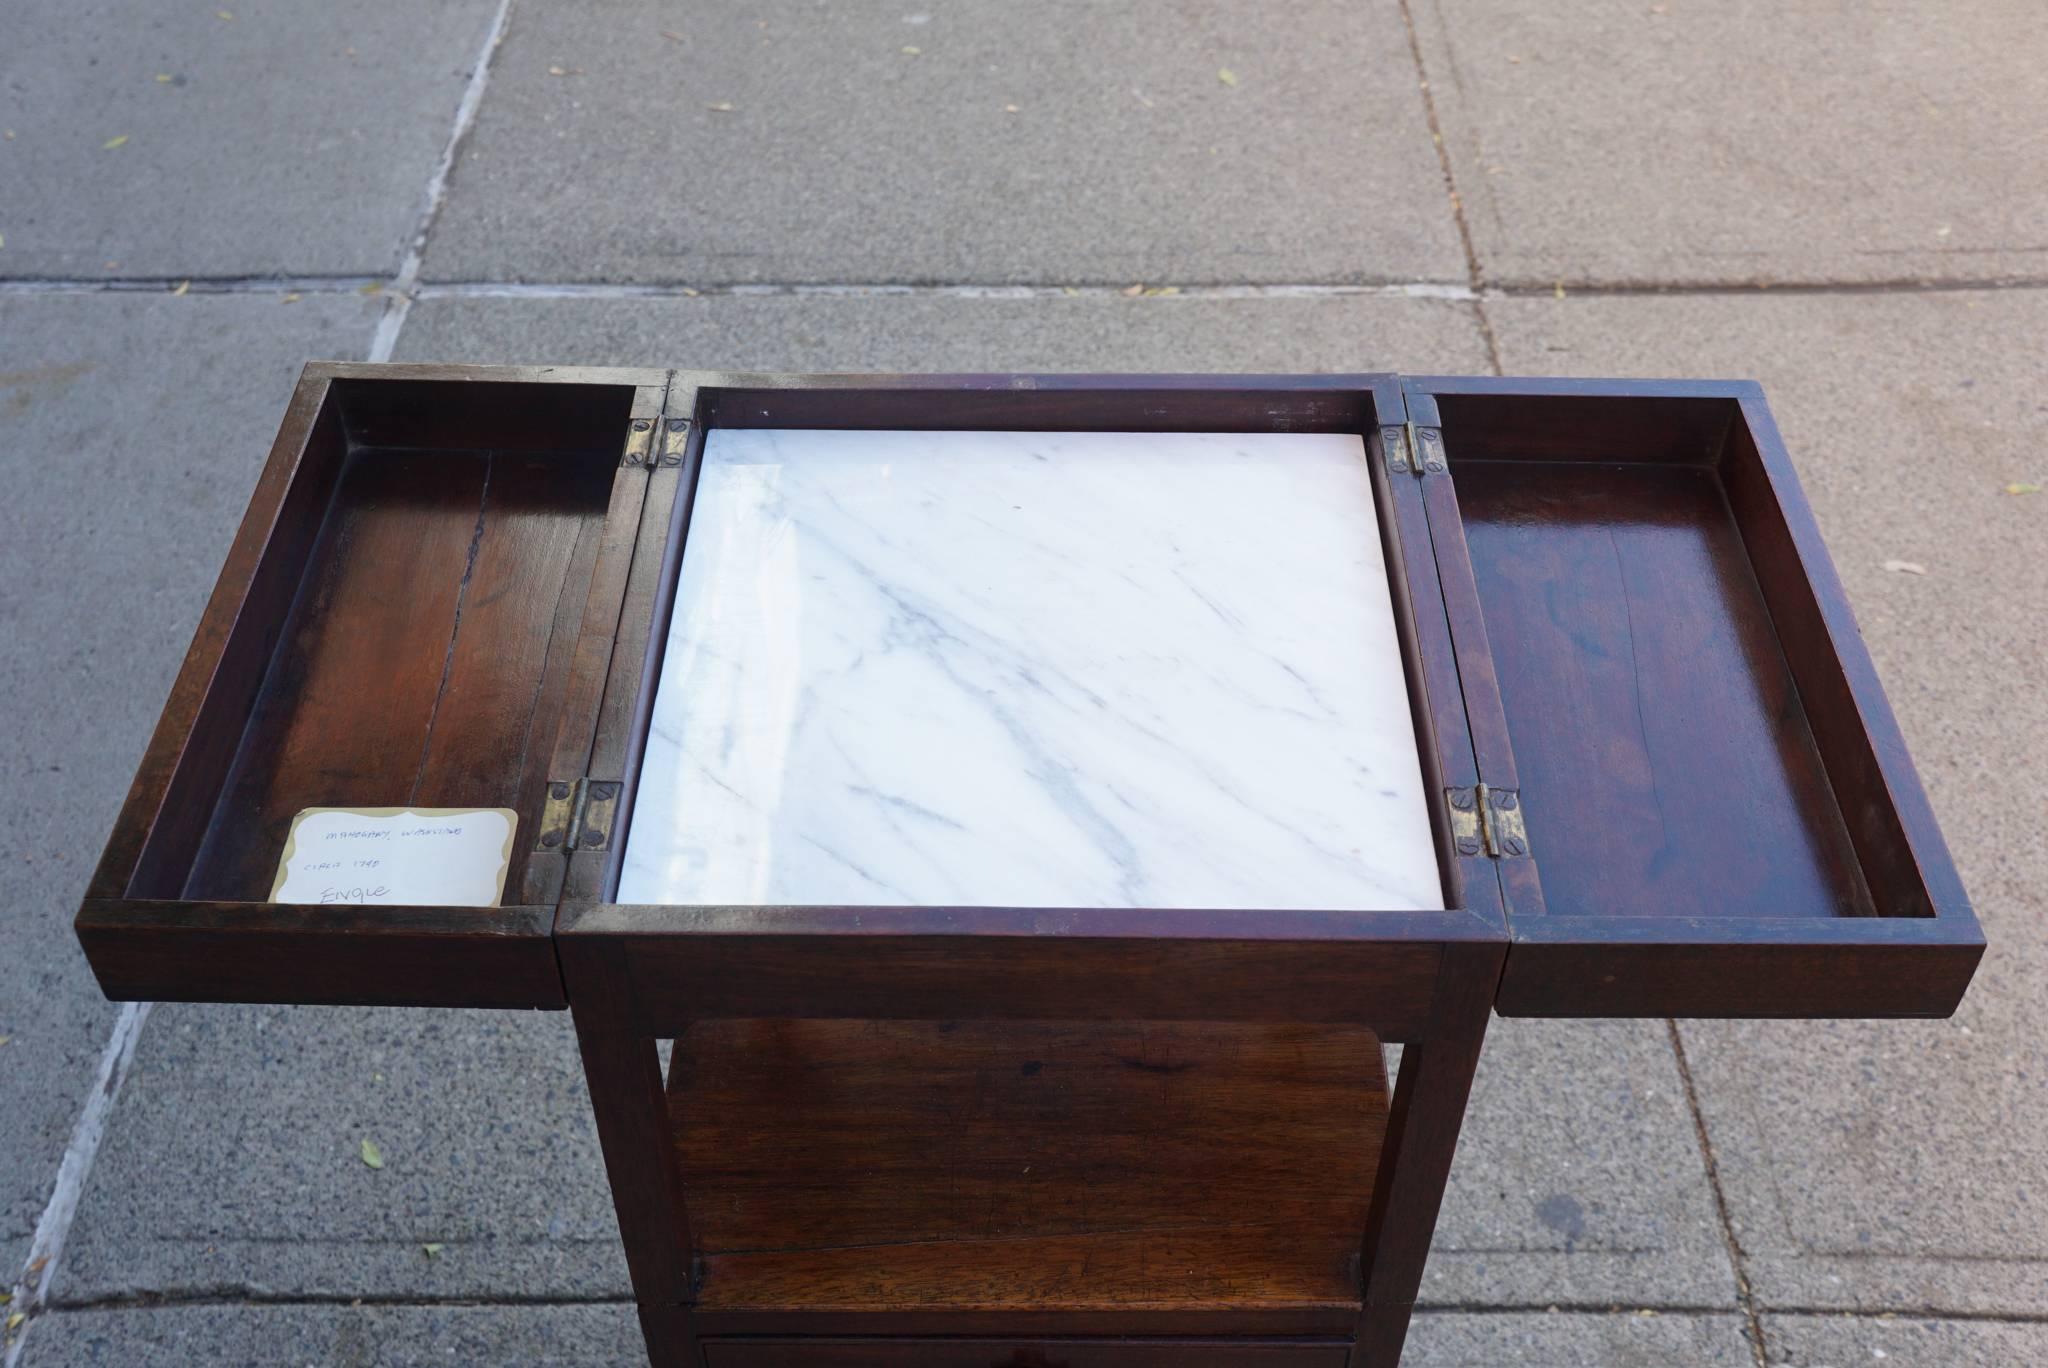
x=429, y=857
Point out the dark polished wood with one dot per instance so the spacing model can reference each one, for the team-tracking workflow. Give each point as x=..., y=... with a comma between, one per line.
x=1033, y=1137
x=1723, y=815
x=1430, y=1092
x=1043, y=1353
x=396, y=624
x=907, y=1166
x=623, y=1071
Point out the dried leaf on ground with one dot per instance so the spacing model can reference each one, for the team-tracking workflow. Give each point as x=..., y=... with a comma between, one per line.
x=909, y=51
x=181, y=287
x=433, y=1250
x=112, y=143
x=2023, y=488
x=1905, y=567
x=1226, y=75
x=372, y=1156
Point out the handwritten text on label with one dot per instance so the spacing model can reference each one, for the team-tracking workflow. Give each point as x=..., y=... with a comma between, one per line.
x=432, y=857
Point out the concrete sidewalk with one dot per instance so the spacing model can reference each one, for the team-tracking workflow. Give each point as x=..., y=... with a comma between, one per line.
x=1855, y=207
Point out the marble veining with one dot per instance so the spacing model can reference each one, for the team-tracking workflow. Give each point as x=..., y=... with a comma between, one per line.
x=1054, y=669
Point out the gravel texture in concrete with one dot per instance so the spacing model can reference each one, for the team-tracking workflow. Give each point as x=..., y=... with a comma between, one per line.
x=235, y=1166
x=1538, y=1339
x=273, y=137
x=1655, y=144
x=130, y=445
x=605, y=1336
x=569, y=1335
x=1579, y=1179
x=1053, y=143
x=943, y=332
x=1871, y=1341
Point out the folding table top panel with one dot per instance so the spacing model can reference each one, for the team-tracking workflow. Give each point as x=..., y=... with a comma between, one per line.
x=1050, y=669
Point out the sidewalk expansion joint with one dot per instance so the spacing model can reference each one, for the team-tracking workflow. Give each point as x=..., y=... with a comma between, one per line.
x=307, y=285
x=229, y=1296
x=1745, y=1291
x=1475, y=274
x=398, y=303
x=30, y=1293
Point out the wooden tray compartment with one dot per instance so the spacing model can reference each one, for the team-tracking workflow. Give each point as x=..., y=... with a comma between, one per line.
x=1723, y=818
x=418, y=574
x=891, y=1174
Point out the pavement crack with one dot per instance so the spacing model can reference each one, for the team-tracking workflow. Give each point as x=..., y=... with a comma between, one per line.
x=1745, y=1291
x=1475, y=275
x=398, y=301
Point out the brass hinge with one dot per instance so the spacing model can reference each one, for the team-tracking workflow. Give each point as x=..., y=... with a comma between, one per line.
x=1394, y=443
x=1413, y=450
x=675, y=435
x=579, y=814
x=1487, y=820
x=640, y=443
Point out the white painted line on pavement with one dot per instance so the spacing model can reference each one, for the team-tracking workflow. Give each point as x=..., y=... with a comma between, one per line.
x=385, y=340
x=46, y=1249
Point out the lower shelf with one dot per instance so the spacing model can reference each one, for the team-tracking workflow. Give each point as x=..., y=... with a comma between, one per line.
x=841, y=1168
x=1051, y=1353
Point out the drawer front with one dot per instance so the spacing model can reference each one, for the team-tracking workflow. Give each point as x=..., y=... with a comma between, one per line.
x=1006, y=1353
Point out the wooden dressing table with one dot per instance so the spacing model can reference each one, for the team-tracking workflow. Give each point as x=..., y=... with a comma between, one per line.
x=1031, y=804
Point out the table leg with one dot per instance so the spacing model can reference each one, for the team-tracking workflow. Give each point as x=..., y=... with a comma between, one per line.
x=626, y=1093
x=1428, y=1111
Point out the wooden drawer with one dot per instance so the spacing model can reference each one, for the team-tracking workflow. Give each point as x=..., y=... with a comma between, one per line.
x=1005, y=1353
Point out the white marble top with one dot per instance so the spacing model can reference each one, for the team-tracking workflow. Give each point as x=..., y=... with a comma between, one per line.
x=1032, y=669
